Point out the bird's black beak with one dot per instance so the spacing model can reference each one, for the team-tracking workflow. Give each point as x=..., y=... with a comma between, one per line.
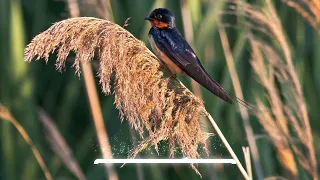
x=149, y=19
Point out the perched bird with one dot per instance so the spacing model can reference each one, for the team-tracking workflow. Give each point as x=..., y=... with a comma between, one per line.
x=170, y=47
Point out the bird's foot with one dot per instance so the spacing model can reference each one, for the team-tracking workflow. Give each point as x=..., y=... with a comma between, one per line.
x=173, y=76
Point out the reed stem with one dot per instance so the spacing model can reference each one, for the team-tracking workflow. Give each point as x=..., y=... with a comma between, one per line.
x=225, y=142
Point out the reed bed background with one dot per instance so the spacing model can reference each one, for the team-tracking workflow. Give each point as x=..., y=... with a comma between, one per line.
x=266, y=51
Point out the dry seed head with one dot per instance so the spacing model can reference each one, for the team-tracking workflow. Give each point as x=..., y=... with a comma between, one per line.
x=273, y=65
x=287, y=121
x=155, y=106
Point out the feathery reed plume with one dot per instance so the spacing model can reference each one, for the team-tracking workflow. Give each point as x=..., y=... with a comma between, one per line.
x=284, y=113
x=151, y=103
x=6, y=114
x=309, y=10
x=273, y=66
x=275, y=122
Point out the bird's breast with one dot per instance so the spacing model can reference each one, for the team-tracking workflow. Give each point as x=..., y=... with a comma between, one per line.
x=174, y=68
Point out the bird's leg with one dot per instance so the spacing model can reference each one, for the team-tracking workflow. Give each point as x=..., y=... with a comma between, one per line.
x=174, y=77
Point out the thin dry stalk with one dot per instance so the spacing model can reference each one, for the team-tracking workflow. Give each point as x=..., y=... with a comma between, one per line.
x=74, y=8
x=275, y=178
x=5, y=114
x=246, y=152
x=98, y=119
x=102, y=8
x=225, y=142
x=107, y=9
x=155, y=106
x=95, y=104
x=59, y=145
x=243, y=111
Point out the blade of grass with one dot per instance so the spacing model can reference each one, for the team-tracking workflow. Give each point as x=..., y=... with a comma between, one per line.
x=5, y=114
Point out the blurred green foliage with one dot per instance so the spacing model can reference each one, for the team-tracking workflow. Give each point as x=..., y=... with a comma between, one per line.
x=25, y=87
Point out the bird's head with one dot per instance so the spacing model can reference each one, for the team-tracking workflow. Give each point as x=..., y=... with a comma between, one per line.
x=161, y=18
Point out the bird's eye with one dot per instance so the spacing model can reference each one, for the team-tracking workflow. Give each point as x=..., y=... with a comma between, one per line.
x=159, y=16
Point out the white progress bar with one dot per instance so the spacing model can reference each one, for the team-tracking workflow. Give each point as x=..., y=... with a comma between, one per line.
x=164, y=161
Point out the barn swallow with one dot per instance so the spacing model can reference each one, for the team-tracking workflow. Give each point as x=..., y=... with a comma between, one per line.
x=171, y=48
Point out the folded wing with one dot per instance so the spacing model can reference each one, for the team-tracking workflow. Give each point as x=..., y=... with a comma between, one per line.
x=176, y=48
